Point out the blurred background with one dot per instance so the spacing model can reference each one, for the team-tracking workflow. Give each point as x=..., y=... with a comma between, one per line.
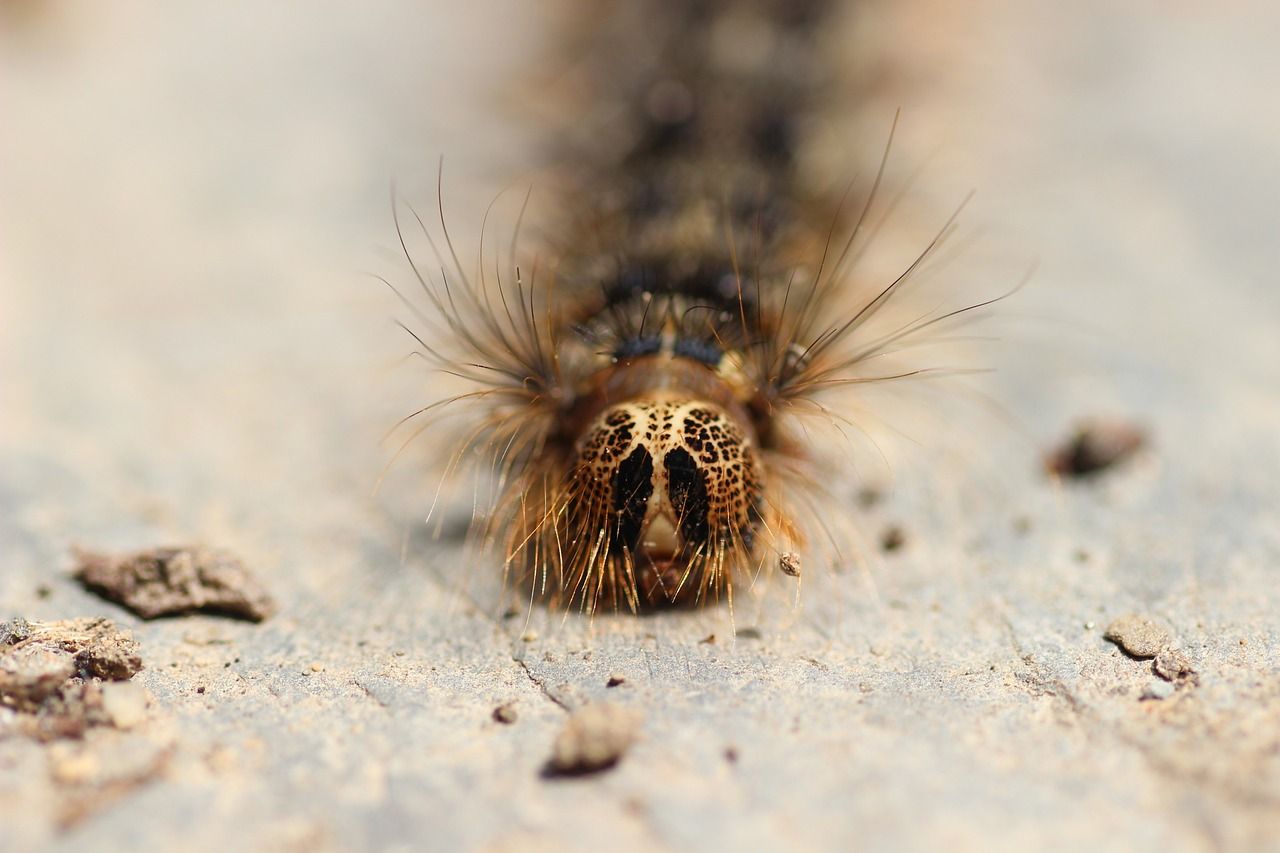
x=193, y=198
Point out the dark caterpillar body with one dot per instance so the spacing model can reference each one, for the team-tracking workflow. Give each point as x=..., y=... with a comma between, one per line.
x=640, y=402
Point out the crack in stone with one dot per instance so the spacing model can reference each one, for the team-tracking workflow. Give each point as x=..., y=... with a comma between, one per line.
x=541, y=684
x=1164, y=771
x=367, y=692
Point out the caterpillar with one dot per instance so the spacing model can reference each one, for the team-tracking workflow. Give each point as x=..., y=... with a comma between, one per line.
x=638, y=394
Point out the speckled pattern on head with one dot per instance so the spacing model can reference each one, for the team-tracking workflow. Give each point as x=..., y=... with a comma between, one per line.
x=681, y=482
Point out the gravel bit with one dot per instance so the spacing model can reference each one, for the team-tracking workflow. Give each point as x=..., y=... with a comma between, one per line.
x=595, y=738
x=1172, y=665
x=1094, y=447
x=1137, y=636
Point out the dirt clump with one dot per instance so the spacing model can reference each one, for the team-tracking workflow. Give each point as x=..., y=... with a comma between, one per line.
x=1137, y=636
x=61, y=678
x=1143, y=639
x=1172, y=665
x=171, y=581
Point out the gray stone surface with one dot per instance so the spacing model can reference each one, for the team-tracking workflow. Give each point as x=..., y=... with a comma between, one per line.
x=189, y=352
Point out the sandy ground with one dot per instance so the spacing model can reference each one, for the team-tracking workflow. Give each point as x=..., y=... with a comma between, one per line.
x=191, y=350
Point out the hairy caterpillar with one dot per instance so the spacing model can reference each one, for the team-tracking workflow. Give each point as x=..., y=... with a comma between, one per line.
x=638, y=396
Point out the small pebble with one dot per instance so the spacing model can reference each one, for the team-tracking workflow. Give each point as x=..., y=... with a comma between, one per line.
x=1138, y=636
x=1095, y=446
x=1172, y=665
x=892, y=539
x=125, y=703
x=505, y=714
x=615, y=680
x=1157, y=690
x=594, y=738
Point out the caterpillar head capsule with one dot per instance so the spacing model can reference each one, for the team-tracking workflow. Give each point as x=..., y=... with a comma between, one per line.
x=676, y=486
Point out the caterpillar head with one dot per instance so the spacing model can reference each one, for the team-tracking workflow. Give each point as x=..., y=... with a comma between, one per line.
x=674, y=486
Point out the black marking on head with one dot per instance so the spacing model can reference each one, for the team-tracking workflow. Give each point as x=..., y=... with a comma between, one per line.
x=632, y=486
x=687, y=491
x=755, y=518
